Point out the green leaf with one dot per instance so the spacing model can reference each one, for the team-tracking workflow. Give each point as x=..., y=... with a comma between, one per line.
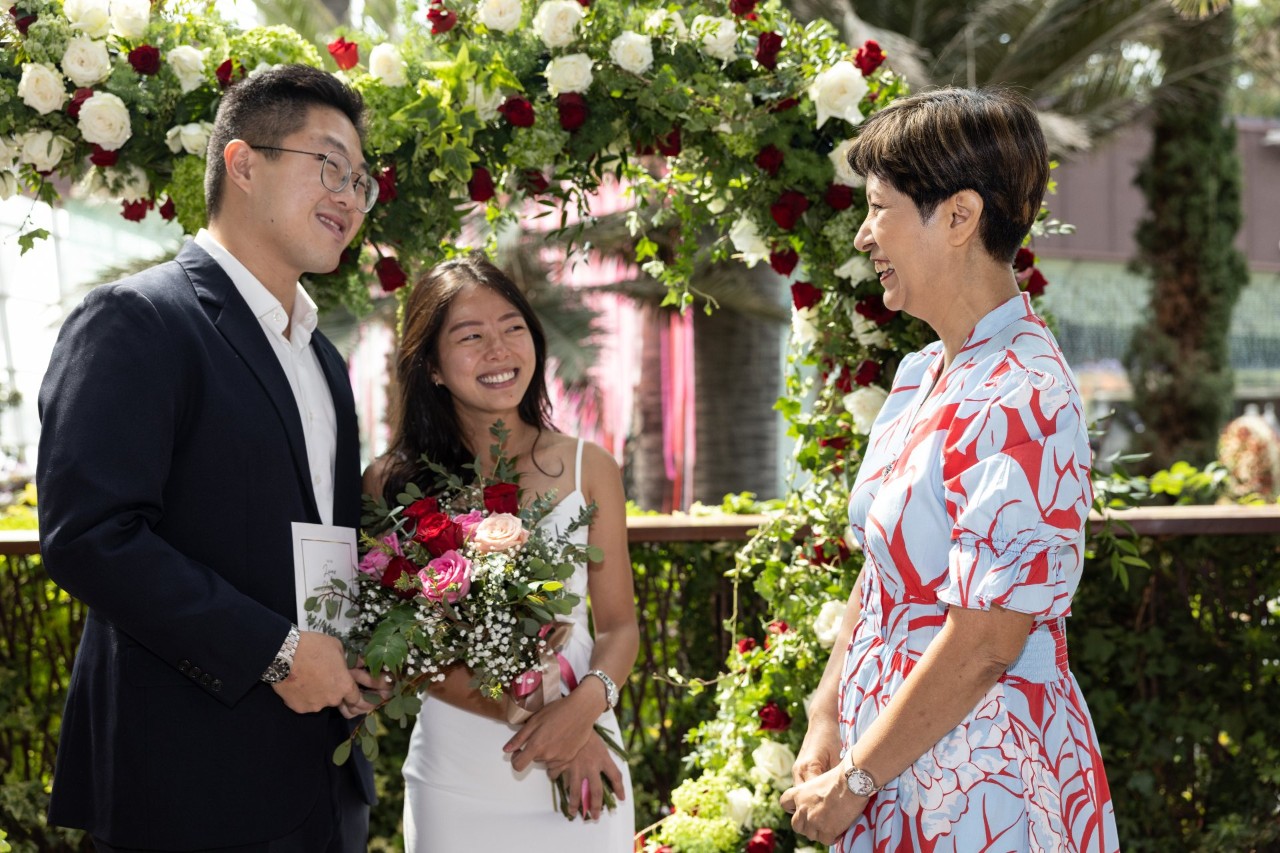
x=342, y=753
x=311, y=605
x=27, y=241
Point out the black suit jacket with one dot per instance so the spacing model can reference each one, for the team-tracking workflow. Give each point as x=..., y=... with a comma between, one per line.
x=172, y=462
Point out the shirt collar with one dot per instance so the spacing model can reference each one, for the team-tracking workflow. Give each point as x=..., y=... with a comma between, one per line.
x=263, y=305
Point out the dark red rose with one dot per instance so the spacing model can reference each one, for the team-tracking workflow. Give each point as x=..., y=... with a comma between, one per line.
x=480, y=187
x=838, y=197
x=231, y=68
x=390, y=275
x=421, y=508
x=784, y=105
x=502, y=497
x=22, y=22
x=1024, y=260
x=868, y=57
x=145, y=59
x=777, y=626
x=788, y=209
x=102, y=157
x=742, y=7
x=518, y=111
x=837, y=443
x=669, y=145
x=535, y=182
x=345, y=53
x=767, y=49
x=586, y=4
x=805, y=295
x=1037, y=283
x=868, y=372
x=784, y=261
x=77, y=101
x=745, y=645
x=572, y=107
x=135, y=211
x=770, y=159
x=773, y=718
x=397, y=568
x=167, y=210
x=844, y=381
x=762, y=842
x=438, y=533
x=387, y=185
x=442, y=19
x=873, y=309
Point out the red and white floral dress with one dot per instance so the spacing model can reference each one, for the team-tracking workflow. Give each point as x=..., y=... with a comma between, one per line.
x=974, y=491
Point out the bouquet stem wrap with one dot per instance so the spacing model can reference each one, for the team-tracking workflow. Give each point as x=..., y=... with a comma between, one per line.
x=541, y=686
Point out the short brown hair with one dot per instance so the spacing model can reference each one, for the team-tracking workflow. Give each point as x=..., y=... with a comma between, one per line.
x=932, y=145
x=267, y=107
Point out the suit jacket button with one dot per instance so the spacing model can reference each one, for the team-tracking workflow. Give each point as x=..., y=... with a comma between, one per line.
x=195, y=672
x=184, y=666
x=216, y=685
x=206, y=679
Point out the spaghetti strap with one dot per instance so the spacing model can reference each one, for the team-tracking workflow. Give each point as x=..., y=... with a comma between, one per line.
x=577, y=468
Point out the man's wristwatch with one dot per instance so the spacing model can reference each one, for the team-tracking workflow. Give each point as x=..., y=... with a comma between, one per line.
x=279, y=669
x=860, y=782
x=610, y=689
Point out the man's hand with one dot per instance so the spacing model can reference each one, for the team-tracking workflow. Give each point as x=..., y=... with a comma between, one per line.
x=369, y=684
x=319, y=677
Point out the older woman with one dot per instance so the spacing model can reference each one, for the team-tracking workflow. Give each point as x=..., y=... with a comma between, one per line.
x=947, y=718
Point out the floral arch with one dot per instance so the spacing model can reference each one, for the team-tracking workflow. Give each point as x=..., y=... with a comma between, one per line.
x=728, y=120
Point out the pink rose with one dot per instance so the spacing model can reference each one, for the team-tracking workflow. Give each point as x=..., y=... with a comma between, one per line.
x=447, y=577
x=469, y=522
x=377, y=559
x=500, y=532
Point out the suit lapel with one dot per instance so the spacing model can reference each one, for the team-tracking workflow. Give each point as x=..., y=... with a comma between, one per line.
x=231, y=316
x=346, y=476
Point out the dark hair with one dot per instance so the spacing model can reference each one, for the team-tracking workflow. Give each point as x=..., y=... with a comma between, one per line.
x=423, y=419
x=933, y=145
x=267, y=107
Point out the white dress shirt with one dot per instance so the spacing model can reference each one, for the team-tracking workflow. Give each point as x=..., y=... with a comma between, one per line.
x=300, y=364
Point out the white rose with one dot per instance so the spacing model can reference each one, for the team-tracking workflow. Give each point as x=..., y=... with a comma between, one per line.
x=386, y=63
x=8, y=185
x=774, y=759
x=43, y=150
x=632, y=52
x=556, y=22
x=192, y=138
x=129, y=18
x=864, y=404
x=867, y=332
x=90, y=17
x=42, y=87
x=837, y=92
x=804, y=330
x=85, y=61
x=570, y=73
x=740, y=803
x=844, y=172
x=856, y=268
x=746, y=238
x=484, y=102
x=8, y=152
x=187, y=63
x=104, y=121
x=663, y=21
x=500, y=15
x=826, y=625
x=717, y=205
x=719, y=36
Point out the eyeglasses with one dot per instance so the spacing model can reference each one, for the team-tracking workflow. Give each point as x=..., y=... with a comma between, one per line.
x=335, y=174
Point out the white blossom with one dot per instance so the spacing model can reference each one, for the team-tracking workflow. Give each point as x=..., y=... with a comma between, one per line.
x=500, y=15
x=42, y=149
x=718, y=36
x=85, y=61
x=826, y=625
x=193, y=138
x=104, y=121
x=740, y=804
x=556, y=22
x=632, y=52
x=745, y=236
x=129, y=18
x=42, y=87
x=863, y=405
x=386, y=64
x=664, y=20
x=844, y=172
x=856, y=268
x=804, y=330
x=8, y=185
x=867, y=332
x=774, y=760
x=187, y=63
x=90, y=17
x=484, y=102
x=8, y=152
x=837, y=92
x=570, y=73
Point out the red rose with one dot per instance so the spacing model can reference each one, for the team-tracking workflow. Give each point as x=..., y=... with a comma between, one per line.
x=135, y=211
x=745, y=645
x=669, y=145
x=777, y=626
x=1037, y=283
x=770, y=159
x=396, y=568
x=767, y=49
x=742, y=7
x=868, y=57
x=873, y=309
x=390, y=274
x=788, y=209
x=773, y=718
x=518, y=111
x=784, y=261
x=442, y=19
x=502, y=497
x=844, y=382
x=167, y=210
x=230, y=68
x=480, y=187
x=573, y=110
x=22, y=22
x=868, y=372
x=77, y=101
x=438, y=533
x=837, y=443
x=345, y=53
x=387, y=184
x=421, y=508
x=784, y=105
x=805, y=295
x=1024, y=260
x=586, y=4
x=535, y=182
x=104, y=158
x=145, y=59
x=838, y=197
x=762, y=842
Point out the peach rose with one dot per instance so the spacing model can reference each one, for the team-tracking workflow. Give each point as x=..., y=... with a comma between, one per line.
x=500, y=532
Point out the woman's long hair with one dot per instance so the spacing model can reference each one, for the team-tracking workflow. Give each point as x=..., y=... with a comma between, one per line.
x=423, y=418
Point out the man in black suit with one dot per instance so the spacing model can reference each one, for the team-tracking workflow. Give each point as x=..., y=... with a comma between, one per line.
x=190, y=414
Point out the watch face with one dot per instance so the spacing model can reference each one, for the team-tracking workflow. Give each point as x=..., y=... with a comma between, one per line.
x=860, y=783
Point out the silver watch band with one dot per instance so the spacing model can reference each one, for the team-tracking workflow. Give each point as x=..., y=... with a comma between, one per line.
x=610, y=689
x=278, y=670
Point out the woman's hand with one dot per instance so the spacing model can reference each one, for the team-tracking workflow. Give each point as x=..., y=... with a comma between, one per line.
x=823, y=808
x=819, y=752
x=585, y=776
x=555, y=734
